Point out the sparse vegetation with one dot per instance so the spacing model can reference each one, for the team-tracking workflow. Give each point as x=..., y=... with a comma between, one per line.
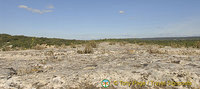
x=197, y=44
x=194, y=43
x=131, y=51
x=122, y=43
x=88, y=49
x=29, y=70
x=49, y=67
x=6, y=48
x=112, y=43
x=80, y=52
x=73, y=46
x=8, y=42
x=93, y=44
x=40, y=47
x=153, y=50
x=24, y=42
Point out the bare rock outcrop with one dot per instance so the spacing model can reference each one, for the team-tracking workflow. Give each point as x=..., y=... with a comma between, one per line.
x=127, y=66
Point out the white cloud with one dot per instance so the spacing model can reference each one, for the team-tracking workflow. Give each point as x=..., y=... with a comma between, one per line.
x=121, y=12
x=22, y=6
x=35, y=10
x=50, y=7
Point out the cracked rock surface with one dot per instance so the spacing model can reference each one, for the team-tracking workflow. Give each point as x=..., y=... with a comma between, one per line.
x=66, y=69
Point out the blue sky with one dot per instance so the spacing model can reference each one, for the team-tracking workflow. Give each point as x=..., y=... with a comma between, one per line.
x=97, y=19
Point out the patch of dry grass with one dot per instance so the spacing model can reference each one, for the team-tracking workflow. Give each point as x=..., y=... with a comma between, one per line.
x=29, y=70
x=197, y=44
x=93, y=44
x=6, y=49
x=87, y=50
x=155, y=51
x=122, y=43
x=49, y=53
x=73, y=46
x=112, y=43
x=40, y=47
x=141, y=43
x=131, y=51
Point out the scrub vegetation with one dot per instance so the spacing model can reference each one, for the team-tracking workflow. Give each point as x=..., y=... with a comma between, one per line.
x=8, y=42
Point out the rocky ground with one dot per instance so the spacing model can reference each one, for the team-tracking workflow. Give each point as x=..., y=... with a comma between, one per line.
x=64, y=68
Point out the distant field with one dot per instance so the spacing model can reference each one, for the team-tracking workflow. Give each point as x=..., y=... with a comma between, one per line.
x=24, y=42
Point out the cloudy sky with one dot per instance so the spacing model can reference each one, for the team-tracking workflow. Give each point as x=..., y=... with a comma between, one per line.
x=97, y=19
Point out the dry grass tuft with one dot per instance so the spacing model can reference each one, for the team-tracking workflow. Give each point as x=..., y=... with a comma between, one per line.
x=153, y=51
x=122, y=43
x=29, y=70
x=40, y=47
x=93, y=44
x=141, y=43
x=197, y=44
x=63, y=46
x=88, y=50
x=80, y=52
x=49, y=53
x=6, y=49
x=73, y=46
x=131, y=51
x=112, y=43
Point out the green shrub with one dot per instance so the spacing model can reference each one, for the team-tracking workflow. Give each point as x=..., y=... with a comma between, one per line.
x=24, y=42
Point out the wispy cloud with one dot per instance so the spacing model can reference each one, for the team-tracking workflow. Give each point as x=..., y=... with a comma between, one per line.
x=35, y=10
x=50, y=7
x=121, y=12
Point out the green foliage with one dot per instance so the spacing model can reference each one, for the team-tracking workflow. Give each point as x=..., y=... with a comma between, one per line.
x=195, y=43
x=24, y=42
